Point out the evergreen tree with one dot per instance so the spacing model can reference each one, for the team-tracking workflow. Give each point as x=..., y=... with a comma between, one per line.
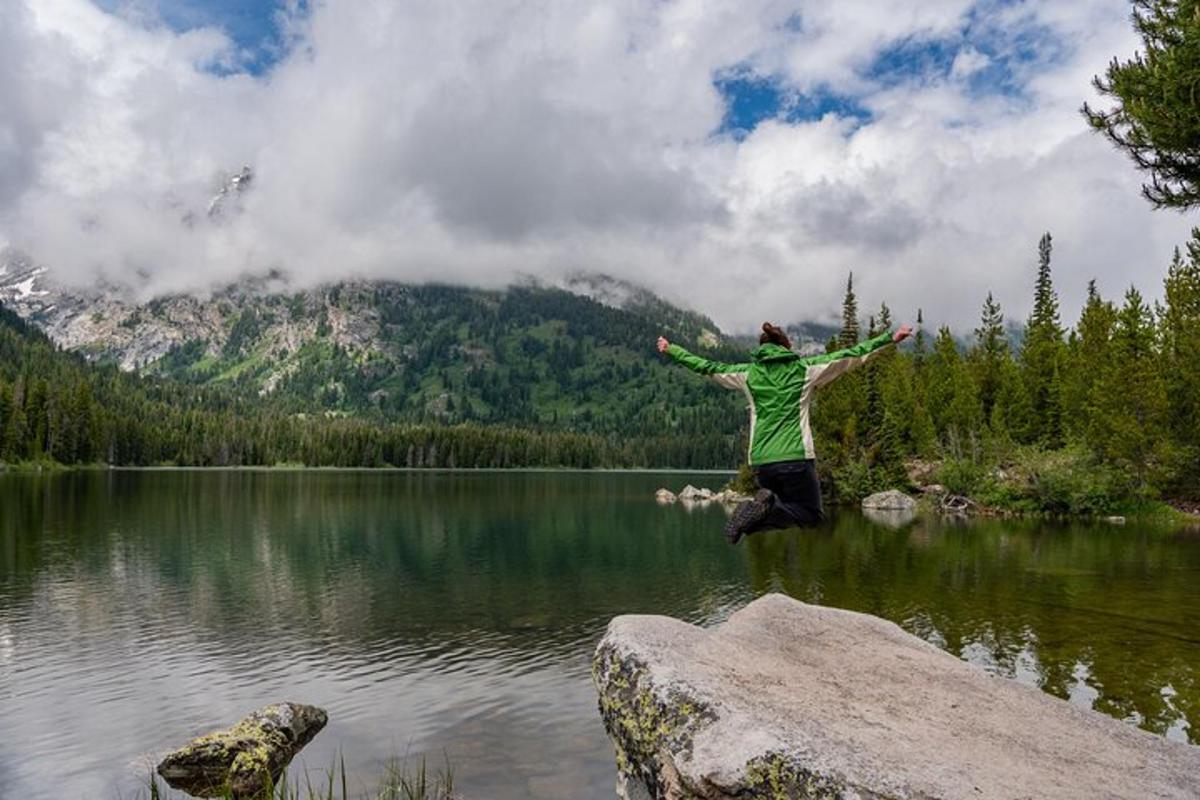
x=1129, y=410
x=989, y=354
x=885, y=318
x=922, y=434
x=1042, y=355
x=953, y=401
x=1156, y=118
x=919, y=344
x=1088, y=357
x=1181, y=360
x=850, y=330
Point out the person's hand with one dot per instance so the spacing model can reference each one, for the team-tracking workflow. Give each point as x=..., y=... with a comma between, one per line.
x=663, y=344
x=902, y=334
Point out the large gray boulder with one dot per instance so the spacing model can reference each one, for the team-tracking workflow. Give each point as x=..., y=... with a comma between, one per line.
x=789, y=700
x=246, y=759
x=891, y=500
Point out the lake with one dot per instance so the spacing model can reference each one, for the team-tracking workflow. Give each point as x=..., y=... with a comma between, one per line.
x=453, y=615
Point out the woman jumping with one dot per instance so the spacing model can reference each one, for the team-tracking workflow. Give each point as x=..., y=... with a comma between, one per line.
x=779, y=385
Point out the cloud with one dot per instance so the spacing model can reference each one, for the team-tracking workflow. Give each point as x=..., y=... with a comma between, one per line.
x=479, y=140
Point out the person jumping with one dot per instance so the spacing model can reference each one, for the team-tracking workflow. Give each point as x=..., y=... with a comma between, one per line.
x=779, y=384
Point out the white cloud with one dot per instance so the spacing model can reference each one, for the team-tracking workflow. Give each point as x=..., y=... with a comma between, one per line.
x=968, y=62
x=475, y=140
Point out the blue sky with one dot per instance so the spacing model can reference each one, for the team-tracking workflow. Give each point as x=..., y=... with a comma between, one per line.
x=251, y=24
x=995, y=61
x=750, y=97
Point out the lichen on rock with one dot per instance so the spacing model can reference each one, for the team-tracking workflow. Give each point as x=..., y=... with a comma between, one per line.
x=645, y=728
x=246, y=759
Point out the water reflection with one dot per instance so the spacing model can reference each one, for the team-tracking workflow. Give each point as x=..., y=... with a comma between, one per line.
x=1104, y=617
x=456, y=613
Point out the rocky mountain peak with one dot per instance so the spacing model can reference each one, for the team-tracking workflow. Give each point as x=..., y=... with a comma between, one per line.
x=231, y=187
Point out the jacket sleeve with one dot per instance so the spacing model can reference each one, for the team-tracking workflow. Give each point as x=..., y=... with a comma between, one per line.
x=825, y=368
x=731, y=376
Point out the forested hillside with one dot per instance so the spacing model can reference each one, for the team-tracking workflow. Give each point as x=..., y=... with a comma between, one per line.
x=56, y=406
x=531, y=357
x=528, y=356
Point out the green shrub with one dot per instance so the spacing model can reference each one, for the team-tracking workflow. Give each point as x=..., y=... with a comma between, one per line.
x=853, y=480
x=1065, y=481
x=744, y=481
x=962, y=476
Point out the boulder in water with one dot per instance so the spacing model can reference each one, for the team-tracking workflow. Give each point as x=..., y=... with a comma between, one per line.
x=665, y=496
x=789, y=700
x=246, y=759
x=891, y=500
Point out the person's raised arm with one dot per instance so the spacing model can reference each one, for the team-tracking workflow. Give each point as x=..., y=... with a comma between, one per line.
x=824, y=368
x=728, y=375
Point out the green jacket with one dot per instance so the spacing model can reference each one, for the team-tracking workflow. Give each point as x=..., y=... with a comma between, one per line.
x=779, y=386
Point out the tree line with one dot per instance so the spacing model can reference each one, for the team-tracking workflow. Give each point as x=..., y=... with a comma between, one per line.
x=1087, y=416
x=56, y=407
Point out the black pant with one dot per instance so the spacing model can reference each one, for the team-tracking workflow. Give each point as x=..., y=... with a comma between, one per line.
x=797, y=494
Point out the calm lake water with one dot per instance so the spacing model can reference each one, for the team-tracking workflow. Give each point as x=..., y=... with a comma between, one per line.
x=454, y=614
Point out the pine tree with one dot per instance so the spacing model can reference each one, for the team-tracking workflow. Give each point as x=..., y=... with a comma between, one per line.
x=1129, y=415
x=1088, y=356
x=1181, y=360
x=1156, y=118
x=920, y=346
x=850, y=330
x=953, y=402
x=1042, y=355
x=989, y=354
x=885, y=318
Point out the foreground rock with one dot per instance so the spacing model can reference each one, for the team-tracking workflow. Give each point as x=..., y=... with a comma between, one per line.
x=891, y=500
x=788, y=700
x=247, y=758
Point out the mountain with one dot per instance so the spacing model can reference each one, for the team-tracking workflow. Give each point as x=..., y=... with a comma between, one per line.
x=56, y=406
x=531, y=356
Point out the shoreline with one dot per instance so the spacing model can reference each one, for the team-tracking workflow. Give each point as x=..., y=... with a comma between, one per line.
x=32, y=469
x=1160, y=513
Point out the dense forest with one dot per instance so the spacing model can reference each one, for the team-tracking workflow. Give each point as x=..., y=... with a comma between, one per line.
x=57, y=407
x=1085, y=419
x=528, y=357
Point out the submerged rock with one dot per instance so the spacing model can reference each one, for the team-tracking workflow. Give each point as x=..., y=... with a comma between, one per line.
x=665, y=496
x=247, y=758
x=788, y=700
x=891, y=500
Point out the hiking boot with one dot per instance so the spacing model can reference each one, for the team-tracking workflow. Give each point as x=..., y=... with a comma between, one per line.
x=747, y=515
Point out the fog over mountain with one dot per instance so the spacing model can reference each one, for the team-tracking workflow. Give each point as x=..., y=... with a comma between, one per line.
x=737, y=157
